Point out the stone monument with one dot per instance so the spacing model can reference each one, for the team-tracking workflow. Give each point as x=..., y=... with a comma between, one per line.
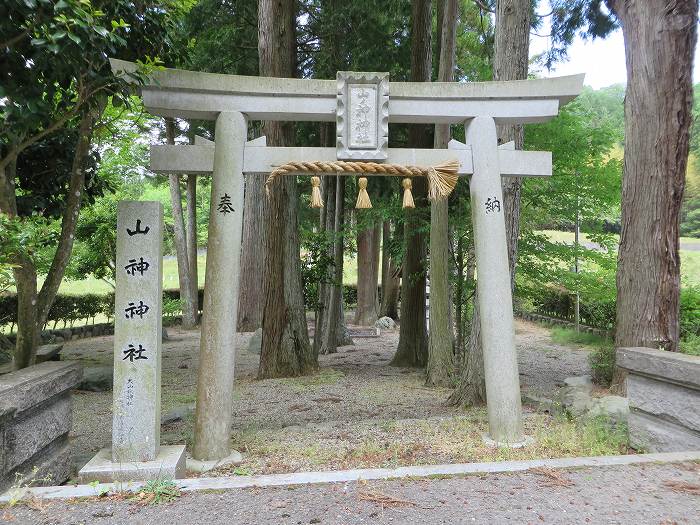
x=136, y=452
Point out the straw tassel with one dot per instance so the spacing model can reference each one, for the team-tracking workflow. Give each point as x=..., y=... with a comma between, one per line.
x=316, y=201
x=407, y=195
x=362, y=196
x=442, y=179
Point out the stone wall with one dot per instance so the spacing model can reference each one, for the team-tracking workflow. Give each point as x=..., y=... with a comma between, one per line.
x=663, y=389
x=35, y=418
x=553, y=321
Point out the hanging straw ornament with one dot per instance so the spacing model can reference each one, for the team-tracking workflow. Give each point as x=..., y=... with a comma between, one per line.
x=407, y=195
x=442, y=179
x=316, y=201
x=362, y=196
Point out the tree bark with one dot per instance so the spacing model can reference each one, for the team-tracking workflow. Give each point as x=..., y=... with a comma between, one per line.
x=286, y=350
x=510, y=62
x=189, y=309
x=366, y=313
x=335, y=332
x=440, y=367
x=250, y=297
x=390, y=279
x=660, y=38
x=413, y=341
x=191, y=202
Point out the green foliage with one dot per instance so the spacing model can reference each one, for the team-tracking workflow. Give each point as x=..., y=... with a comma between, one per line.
x=159, y=490
x=691, y=345
x=568, y=336
x=602, y=361
x=690, y=312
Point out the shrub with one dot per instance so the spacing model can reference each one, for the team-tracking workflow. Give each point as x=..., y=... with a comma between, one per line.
x=602, y=361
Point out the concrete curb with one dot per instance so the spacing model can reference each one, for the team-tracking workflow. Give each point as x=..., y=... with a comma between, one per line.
x=344, y=476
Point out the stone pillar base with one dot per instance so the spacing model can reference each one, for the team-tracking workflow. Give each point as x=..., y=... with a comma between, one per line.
x=524, y=442
x=169, y=464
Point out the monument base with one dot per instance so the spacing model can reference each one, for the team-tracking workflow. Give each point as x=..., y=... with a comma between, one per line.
x=169, y=464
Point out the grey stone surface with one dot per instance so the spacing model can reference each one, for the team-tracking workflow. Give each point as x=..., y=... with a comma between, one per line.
x=169, y=463
x=35, y=418
x=138, y=331
x=385, y=323
x=52, y=465
x=255, y=343
x=26, y=388
x=614, y=408
x=26, y=436
x=97, y=379
x=667, y=401
x=671, y=366
x=580, y=382
x=49, y=352
x=652, y=434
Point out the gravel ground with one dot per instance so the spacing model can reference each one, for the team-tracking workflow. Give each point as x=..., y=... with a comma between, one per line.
x=357, y=412
x=648, y=494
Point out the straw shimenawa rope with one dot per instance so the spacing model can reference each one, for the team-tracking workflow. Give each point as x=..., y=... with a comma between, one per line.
x=442, y=178
x=407, y=195
x=363, y=201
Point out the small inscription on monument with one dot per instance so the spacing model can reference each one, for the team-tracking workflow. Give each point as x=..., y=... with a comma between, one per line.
x=137, y=332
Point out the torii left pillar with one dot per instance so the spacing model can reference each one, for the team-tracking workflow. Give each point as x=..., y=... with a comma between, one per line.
x=212, y=428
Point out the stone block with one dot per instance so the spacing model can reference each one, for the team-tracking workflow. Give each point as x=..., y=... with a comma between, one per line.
x=51, y=466
x=25, y=436
x=670, y=366
x=255, y=342
x=97, y=379
x=168, y=464
x=667, y=401
x=651, y=434
x=27, y=388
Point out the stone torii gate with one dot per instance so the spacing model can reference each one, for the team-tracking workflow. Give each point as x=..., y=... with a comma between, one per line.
x=233, y=100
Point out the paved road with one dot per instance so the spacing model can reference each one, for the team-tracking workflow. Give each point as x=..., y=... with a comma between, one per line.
x=636, y=495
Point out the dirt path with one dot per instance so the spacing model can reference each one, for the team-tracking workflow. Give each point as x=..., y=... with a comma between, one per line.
x=357, y=412
x=653, y=494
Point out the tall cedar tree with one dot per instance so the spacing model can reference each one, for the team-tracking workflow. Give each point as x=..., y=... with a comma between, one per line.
x=660, y=38
x=440, y=355
x=510, y=62
x=413, y=341
x=286, y=350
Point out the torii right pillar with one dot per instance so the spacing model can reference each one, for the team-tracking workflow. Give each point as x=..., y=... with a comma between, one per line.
x=494, y=293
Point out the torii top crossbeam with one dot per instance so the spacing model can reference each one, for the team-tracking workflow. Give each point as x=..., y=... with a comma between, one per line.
x=189, y=94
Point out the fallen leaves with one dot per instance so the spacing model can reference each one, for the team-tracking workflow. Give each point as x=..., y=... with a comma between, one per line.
x=554, y=478
x=384, y=499
x=683, y=487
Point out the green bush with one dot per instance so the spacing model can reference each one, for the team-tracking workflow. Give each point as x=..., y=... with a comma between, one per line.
x=691, y=345
x=690, y=312
x=602, y=361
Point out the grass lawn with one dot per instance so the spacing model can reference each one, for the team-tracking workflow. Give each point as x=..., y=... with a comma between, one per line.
x=92, y=285
x=690, y=259
x=690, y=268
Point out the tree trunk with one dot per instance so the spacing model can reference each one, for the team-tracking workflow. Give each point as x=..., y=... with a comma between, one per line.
x=413, y=341
x=660, y=38
x=440, y=367
x=366, y=313
x=189, y=308
x=191, y=201
x=335, y=332
x=250, y=297
x=286, y=350
x=390, y=280
x=510, y=62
